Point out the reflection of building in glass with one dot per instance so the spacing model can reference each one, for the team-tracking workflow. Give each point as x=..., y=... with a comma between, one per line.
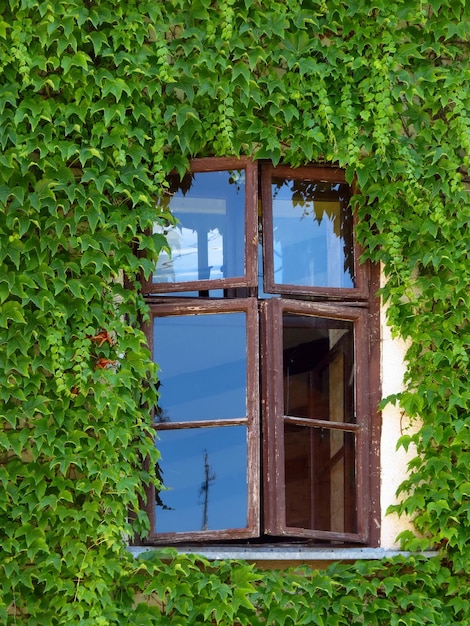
x=195, y=255
x=205, y=242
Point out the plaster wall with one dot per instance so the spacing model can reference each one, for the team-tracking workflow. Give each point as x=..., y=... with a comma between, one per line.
x=393, y=462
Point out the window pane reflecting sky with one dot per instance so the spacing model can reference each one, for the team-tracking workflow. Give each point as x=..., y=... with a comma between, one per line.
x=204, y=470
x=313, y=241
x=202, y=361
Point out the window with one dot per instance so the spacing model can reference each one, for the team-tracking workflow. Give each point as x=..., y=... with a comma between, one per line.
x=264, y=326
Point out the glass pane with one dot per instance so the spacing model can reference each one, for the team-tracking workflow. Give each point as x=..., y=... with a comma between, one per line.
x=313, y=236
x=318, y=368
x=202, y=361
x=320, y=479
x=204, y=470
x=209, y=240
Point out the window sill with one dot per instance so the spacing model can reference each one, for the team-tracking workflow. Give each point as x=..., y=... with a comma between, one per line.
x=293, y=554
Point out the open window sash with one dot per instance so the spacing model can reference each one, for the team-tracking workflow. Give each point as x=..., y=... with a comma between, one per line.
x=206, y=421
x=308, y=241
x=316, y=421
x=213, y=244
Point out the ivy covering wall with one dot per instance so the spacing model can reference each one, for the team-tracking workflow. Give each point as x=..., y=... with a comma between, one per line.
x=99, y=100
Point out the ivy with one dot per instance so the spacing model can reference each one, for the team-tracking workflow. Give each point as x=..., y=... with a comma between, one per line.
x=98, y=102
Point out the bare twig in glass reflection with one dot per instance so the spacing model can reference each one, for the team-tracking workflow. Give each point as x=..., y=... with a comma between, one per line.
x=209, y=477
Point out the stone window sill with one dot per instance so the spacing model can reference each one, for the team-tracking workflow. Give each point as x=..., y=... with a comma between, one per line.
x=289, y=553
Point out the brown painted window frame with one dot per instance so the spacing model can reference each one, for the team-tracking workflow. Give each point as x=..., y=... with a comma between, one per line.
x=217, y=164
x=251, y=420
x=274, y=418
x=322, y=174
x=358, y=304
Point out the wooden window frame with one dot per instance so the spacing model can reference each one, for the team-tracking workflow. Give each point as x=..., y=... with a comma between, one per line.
x=251, y=420
x=322, y=174
x=264, y=354
x=274, y=418
x=217, y=164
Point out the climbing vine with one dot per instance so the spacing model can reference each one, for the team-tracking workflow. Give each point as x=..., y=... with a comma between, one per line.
x=99, y=100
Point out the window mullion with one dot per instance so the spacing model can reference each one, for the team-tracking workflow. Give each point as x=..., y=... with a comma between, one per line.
x=273, y=449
